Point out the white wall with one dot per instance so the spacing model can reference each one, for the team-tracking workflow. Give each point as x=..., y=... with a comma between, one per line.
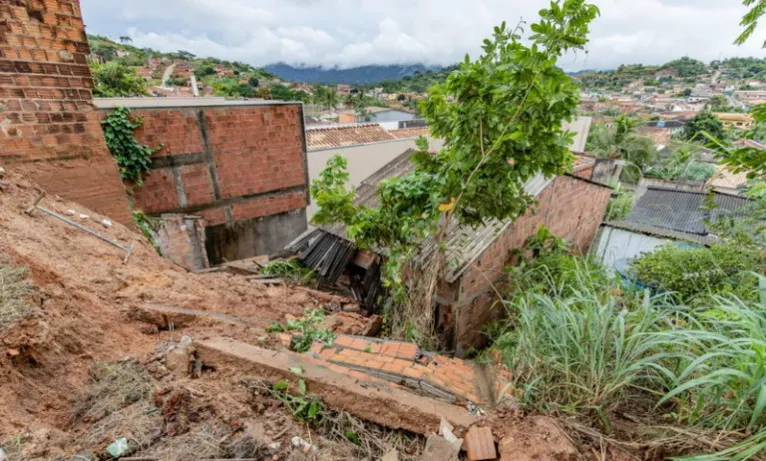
x=363, y=160
x=615, y=244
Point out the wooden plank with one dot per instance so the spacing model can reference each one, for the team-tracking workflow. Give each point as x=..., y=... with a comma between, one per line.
x=479, y=444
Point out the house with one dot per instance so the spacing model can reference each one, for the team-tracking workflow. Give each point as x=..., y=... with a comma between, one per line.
x=735, y=120
x=571, y=206
x=663, y=216
x=343, y=90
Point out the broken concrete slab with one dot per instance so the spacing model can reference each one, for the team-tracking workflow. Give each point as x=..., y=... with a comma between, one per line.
x=440, y=449
x=342, y=390
x=479, y=444
x=392, y=455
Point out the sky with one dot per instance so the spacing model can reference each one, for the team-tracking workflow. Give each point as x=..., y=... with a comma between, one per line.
x=350, y=33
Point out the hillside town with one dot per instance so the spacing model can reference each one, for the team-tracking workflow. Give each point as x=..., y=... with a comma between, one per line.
x=496, y=260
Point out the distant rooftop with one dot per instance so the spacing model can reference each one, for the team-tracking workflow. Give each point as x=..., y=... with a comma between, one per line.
x=155, y=103
x=356, y=134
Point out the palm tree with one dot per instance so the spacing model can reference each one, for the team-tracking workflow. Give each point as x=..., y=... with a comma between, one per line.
x=624, y=142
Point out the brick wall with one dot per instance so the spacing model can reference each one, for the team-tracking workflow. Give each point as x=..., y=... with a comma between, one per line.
x=48, y=126
x=571, y=208
x=230, y=163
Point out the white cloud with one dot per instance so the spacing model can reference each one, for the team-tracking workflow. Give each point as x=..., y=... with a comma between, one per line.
x=358, y=32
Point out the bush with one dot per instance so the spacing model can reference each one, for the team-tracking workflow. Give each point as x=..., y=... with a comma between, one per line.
x=687, y=274
x=114, y=80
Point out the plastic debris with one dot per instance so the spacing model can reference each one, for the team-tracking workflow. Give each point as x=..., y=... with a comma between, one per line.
x=118, y=448
x=84, y=216
x=71, y=212
x=106, y=223
x=300, y=443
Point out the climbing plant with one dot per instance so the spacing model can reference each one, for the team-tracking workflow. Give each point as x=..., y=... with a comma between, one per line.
x=133, y=158
x=501, y=119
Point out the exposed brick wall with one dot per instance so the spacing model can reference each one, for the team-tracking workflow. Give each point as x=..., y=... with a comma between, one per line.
x=228, y=163
x=48, y=125
x=572, y=209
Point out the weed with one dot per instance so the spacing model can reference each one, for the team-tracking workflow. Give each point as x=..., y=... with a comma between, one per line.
x=113, y=387
x=308, y=329
x=292, y=270
x=14, y=290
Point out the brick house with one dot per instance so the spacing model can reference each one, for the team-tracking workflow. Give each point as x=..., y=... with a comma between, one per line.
x=49, y=128
x=241, y=165
x=571, y=206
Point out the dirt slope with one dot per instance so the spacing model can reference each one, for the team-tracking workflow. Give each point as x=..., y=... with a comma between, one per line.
x=83, y=300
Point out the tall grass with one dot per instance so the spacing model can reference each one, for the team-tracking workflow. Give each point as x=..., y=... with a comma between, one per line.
x=14, y=290
x=589, y=349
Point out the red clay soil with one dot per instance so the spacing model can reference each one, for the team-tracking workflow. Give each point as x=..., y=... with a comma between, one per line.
x=83, y=299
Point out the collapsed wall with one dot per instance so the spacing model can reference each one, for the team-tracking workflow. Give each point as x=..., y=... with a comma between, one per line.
x=48, y=125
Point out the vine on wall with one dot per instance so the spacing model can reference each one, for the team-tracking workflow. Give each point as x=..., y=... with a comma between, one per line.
x=133, y=158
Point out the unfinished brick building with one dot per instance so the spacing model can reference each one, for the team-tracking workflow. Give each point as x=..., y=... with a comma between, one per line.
x=48, y=126
x=241, y=165
x=571, y=206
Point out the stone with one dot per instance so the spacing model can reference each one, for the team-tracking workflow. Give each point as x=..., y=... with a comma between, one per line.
x=480, y=444
x=440, y=449
x=373, y=326
x=180, y=359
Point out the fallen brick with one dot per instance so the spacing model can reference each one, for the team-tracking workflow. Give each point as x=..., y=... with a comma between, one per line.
x=369, y=399
x=479, y=444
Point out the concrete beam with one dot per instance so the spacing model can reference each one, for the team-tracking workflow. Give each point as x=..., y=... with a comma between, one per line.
x=372, y=400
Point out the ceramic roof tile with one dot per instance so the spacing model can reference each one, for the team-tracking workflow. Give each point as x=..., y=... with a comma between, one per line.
x=346, y=135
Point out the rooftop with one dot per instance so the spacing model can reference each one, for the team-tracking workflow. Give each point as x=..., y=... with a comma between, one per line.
x=158, y=103
x=685, y=211
x=346, y=135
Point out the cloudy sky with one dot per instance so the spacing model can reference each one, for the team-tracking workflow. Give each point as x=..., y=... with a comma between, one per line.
x=350, y=33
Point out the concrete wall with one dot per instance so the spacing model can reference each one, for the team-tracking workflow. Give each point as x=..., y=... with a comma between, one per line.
x=49, y=129
x=615, y=244
x=241, y=166
x=571, y=208
x=182, y=240
x=363, y=160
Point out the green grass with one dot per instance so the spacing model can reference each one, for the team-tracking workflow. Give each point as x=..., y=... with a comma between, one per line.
x=583, y=346
x=292, y=270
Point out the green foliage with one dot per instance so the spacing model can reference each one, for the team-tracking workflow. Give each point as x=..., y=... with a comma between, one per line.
x=682, y=165
x=285, y=93
x=500, y=118
x=325, y=96
x=308, y=329
x=688, y=274
x=751, y=19
x=133, y=158
x=114, y=80
x=292, y=269
x=686, y=67
x=703, y=122
x=143, y=223
x=420, y=82
x=719, y=103
x=305, y=408
x=620, y=205
x=231, y=88
x=622, y=140
x=335, y=203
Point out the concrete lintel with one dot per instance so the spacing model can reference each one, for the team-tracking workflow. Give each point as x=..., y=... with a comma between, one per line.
x=369, y=400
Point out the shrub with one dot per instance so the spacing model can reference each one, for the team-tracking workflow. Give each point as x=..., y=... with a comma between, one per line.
x=689, y=273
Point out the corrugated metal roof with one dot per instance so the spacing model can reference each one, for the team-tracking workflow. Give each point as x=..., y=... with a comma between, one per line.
x=464, y=244
x=660, y=232
x=685, y=211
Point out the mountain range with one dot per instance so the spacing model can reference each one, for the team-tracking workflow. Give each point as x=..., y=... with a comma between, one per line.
x=363, y=75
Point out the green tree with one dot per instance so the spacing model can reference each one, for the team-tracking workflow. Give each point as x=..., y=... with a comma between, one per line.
x=623, y=141
x=204, y=71
x=703, y=122
x=104, y=50
x=113, y=80
x=751, y=19
x=501, y=119
x=718, y=103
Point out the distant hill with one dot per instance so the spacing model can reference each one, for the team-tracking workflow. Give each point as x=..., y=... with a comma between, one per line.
x=352, y=76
